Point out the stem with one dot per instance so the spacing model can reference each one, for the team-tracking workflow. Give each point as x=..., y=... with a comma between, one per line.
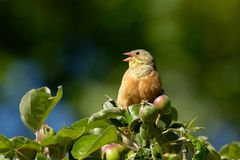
x=184, y=153
x=130, y=147
x=135, y=145
x=158, y=119
x=184, y=148
x=152, y=153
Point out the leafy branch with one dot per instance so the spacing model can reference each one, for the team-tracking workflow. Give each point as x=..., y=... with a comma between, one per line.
x=143, y=131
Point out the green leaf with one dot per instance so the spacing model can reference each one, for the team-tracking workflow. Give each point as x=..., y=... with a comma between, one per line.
x=23, y=142
x=50, y=140
x=41, y=156
x=191, y=124
x=120, y=121
x=90, y=127
x=5, y=144
x=165, y=141
x=144, y=133
x=87, y=144
x=82, y=123
x=25, y=148
x=156, y=150
x=143, y=154
x=212, y=153
x=35, y=106
x=166, y=119
x=174, y=113
x=106, y=114
x=201, y=150
x=231, y=151
x=177, y=124
x=134, y=126
x=25, y=154
x=109, y=104
x=98, y=124
x=132, y=113
x=97, y=127
x=66, y=135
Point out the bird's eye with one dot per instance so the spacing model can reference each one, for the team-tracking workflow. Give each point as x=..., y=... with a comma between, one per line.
x=137, y=53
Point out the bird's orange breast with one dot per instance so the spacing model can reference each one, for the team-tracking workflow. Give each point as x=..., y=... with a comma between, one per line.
x=134, y=89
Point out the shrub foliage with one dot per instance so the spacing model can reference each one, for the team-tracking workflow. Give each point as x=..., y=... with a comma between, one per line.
x=143, y=131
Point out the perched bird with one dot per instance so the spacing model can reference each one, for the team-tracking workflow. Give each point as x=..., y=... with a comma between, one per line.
x=141, y=81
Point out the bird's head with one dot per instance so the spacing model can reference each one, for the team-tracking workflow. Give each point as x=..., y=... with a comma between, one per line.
x=139, y=57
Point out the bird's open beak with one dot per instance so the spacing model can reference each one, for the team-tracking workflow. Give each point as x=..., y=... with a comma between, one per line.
x=129, y=54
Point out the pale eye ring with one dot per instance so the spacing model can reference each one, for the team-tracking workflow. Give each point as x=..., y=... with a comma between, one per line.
x=137, y=53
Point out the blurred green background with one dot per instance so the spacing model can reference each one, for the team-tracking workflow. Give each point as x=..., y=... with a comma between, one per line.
x=79, y=44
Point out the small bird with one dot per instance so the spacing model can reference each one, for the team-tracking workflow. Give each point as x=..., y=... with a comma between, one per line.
x=141, y=81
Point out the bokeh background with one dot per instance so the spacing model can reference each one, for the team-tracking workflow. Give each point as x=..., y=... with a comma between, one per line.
x=79, y=44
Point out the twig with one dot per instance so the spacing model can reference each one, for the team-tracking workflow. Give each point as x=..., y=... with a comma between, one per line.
x=135, y=145
x=130, y=147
